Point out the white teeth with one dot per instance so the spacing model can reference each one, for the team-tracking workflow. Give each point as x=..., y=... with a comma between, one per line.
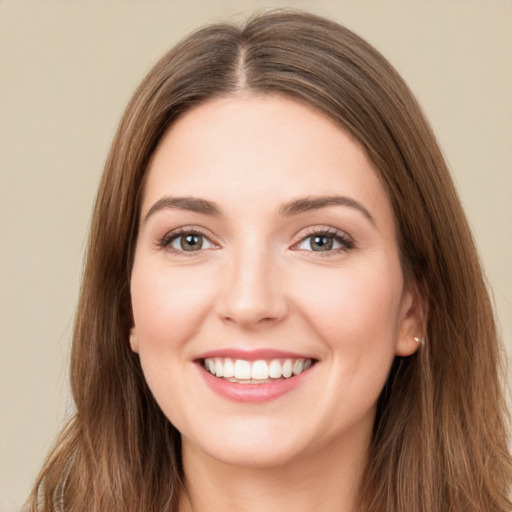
x=287, y=368
x=259, y=370
x=242, y=369
x=274, y=369
x=219, y=368
x=255, y=372
x=229, y=368
x=298, y=367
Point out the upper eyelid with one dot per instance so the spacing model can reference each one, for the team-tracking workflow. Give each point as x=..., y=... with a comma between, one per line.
x=324, y=230
x=298, y=237
x=189, y=229
x=171, y=235
x=345, y=239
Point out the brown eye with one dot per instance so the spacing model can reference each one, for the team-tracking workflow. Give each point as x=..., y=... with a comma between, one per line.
x=321, y=243
x=325, y=242
x=190, y=242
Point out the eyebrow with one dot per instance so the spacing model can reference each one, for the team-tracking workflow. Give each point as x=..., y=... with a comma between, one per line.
x=294, y=207
x=309, y=203
x=191, y=204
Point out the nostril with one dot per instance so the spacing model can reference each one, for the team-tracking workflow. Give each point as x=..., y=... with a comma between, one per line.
x=250, y=319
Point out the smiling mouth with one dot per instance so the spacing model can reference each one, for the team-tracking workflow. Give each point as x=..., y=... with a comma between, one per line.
x=260, y=371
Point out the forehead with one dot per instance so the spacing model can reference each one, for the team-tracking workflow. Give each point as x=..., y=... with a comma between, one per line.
x=256, y=150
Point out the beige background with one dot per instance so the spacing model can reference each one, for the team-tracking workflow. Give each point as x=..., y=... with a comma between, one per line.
x=67, y=69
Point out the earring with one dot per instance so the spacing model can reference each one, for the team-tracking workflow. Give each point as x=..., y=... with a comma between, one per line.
x=418, y=340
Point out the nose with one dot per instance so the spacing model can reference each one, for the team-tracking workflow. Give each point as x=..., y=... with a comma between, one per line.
x=254, y=294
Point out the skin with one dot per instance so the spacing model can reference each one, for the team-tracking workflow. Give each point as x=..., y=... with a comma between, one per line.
x=258, y=283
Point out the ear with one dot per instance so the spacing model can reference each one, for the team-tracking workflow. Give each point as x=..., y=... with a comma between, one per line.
x=134, y=342
x=412, y=321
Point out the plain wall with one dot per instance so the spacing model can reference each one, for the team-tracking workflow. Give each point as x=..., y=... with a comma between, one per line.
x=67, y=69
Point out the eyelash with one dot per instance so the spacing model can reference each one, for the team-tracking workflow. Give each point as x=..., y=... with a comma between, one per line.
x=345, y=241
x=342, y=238
x=169, y=238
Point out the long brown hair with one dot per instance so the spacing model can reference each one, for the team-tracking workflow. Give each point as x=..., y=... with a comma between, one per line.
x=440, y=436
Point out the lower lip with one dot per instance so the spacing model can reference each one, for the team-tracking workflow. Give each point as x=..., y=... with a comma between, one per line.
x=252, y=393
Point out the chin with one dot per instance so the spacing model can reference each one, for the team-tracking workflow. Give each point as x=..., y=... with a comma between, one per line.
x=253, y=446
x=252, y=456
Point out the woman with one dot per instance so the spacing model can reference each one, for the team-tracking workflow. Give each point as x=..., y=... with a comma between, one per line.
x=282, y=305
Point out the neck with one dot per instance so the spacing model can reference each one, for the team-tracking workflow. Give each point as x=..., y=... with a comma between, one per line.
x=326, y=482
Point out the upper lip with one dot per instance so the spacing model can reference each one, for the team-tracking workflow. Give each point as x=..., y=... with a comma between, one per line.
x=252, y=355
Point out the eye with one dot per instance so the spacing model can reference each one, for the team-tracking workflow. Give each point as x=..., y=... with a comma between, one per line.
x=325, y=241
x=186, y=241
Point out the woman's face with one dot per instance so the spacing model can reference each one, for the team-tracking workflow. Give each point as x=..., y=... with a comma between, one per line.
x=267, y=255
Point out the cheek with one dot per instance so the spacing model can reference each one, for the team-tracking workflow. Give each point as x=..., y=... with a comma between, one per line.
x=354, y=307
x=168, y=309
x=167, y=306
x=356, y=317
